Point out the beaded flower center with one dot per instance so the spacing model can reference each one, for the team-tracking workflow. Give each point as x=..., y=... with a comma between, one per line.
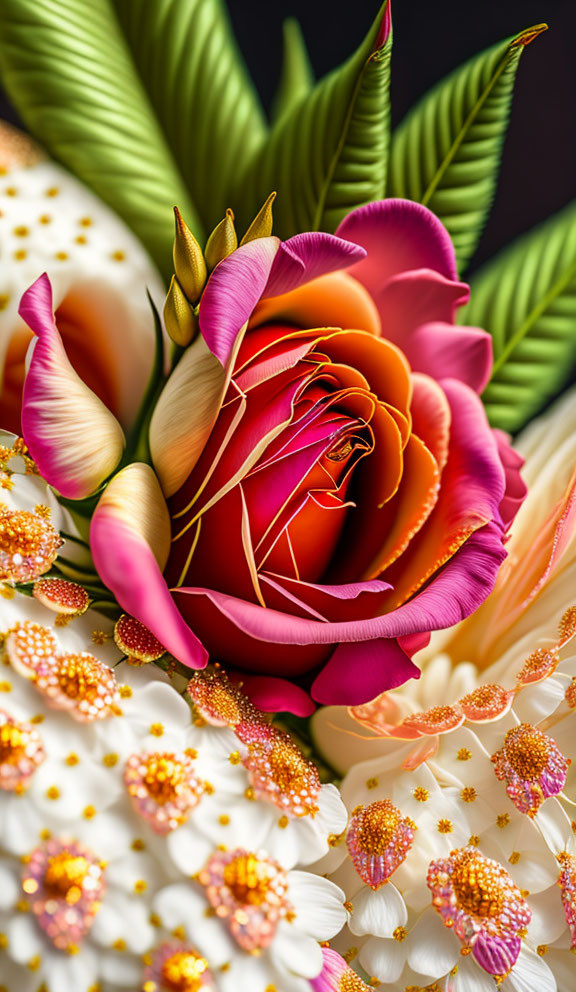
x=66, y=876
x=64, y=884
x=62, y=596
x=527, y=750
x=137, y=642
x=82, y=684
x=176, y=967
x=478, y=887
x=28, y=545
x=248, y=879
x=21, y=752
x=218, y=701
x=183, y=972
x=163, y=788
x=248, y=891
x=378, y=840
x=567, y=883
x=480, y=903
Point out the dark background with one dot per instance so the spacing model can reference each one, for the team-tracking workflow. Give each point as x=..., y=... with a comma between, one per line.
x=431, y=37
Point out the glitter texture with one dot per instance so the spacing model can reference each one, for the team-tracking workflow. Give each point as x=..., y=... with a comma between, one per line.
x=64, y=885
x=532, y=766
x=567, y=883
x=248, y=893
x=438, y=720
x=177, y=967
x=379, y=839
x=218, y=701
x=21, y=752
x=163, y=788
x=478, y=900
x=278, y=770
x=28, y=545
x=486, y=703
x=31, y=649
x=82, y=685
x=136, y=641
x=62, y=596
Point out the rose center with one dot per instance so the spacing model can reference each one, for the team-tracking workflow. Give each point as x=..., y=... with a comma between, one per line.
x=183, y=972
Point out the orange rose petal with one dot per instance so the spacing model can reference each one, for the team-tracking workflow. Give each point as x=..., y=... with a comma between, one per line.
x=381, y=362
x=431, y=416
x=335, y=300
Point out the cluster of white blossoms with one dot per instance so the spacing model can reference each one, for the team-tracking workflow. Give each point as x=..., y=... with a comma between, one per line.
x=459, y=861
x=149, y=839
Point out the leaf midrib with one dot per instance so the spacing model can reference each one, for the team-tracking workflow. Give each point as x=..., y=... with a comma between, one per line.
x=555, y=290
x=458, y=141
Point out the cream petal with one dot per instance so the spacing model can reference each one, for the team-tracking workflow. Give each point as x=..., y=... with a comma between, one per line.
x=318, y=903
x=24, y=939
x=378, y=913
x=9, y=888
x=433, y=949
x=530, y=973
x=295, y=952
x=469, y=977
x=384, y=959
x=548, y=921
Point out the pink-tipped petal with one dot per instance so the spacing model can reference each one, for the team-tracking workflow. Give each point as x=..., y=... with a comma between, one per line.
x=445, y=351
x=74, y=439
x=233, y=291
x=273, y=695
x=130, y=540
x=516, y=488
x=359, y=672
x=398, y=235
x=308, y=256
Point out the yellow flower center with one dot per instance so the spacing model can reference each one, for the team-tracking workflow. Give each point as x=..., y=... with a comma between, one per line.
x=14, y=741
x=165, y=777
x=65, y=876
x=248, y=879
x=183, y=971
x=478, y=885
x=378, y=826
x=28, y=545
x=527, y=750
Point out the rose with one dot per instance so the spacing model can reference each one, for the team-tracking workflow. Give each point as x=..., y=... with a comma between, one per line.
x=335, y=491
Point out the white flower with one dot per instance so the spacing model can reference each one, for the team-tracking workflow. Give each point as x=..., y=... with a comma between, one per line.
x=50, y=222
x=116, y=789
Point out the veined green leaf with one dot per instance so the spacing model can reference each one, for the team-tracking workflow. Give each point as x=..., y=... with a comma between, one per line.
x=328, y=154
x=190, y=64
x=68, y=71
x=297, y=76
x=446, y=153
x=526, y=298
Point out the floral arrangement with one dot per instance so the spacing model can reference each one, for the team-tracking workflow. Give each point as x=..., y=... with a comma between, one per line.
x=287, y=547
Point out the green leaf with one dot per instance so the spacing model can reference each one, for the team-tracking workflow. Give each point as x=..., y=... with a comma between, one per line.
x=526, y=298
x=68, y=71
x=328, y=154
x=446, y=153
x=190, y=64
x=297, y=76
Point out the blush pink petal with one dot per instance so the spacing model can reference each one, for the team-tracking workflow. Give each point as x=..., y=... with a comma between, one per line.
x=356, y=673
x=232, y=292
x=398, y=235
x=128, y=567
x=74, y=439
x=273, y=695
x=417, y=297
x=444, y=351
x=308, y=256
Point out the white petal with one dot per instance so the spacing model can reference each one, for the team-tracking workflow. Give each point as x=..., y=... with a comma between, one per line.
x=433, y=949
x=378, y=913
x=188, y=849
x=469, y=978
x=9, y=888
x=318, y=903
x=24, y=938
x=530, y=974
x=548, y=918
x=384, y=959
x=295, y=952
x=65, y=972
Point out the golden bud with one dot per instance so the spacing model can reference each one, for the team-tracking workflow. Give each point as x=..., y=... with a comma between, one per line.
x=189, y=263
x=261, y=226
x=179, y=317
x=222, y=241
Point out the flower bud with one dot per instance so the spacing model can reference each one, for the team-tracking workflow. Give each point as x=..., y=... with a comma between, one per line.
x=179, y=317
x=189, y=263
x=222, y=242
x=261, y=226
